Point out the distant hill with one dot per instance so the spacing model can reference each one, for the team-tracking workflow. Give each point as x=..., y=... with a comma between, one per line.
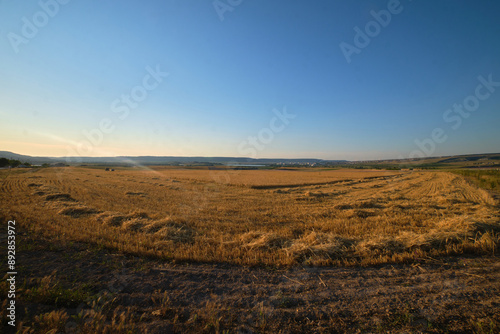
x=472, y=157
x=468, y=160
x=159, y=160
x=27, y=158
x=485, y=160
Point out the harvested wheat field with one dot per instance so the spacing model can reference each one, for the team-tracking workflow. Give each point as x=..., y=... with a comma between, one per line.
x=292, y=233
x=273, y=217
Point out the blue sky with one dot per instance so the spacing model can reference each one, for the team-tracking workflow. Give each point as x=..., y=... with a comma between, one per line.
x=233, y=66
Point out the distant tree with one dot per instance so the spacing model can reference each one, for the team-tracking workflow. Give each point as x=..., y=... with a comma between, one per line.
x=27, y=164
x=45, y=165
x=14, y=163
x=4, y=162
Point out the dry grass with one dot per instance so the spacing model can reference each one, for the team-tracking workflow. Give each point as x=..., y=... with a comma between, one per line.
x=267, y=179
x=273, y=217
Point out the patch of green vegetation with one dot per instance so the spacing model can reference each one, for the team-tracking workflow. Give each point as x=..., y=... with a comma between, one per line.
x=484, y=178
x=26, y=245
x=284, y=301
x=399, y=320
x=484, y=326
x=56, y=294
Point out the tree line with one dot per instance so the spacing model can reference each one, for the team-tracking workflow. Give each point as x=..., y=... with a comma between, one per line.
x=4, y=162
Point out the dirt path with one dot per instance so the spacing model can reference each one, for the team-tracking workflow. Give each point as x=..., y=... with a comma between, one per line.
x=457, y=295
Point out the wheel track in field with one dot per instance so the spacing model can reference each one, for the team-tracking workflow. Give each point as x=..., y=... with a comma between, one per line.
x=6, y=186
x=425, y=185
x=376, y=188
x=342, y=182
x=471, y=193
x=391, y=185
x=13, y=185
x=367, y=187
x=446, y=186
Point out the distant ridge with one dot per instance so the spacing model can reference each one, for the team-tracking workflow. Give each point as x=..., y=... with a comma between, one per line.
x=28, y=158
x=158, y=160
x=164, y=160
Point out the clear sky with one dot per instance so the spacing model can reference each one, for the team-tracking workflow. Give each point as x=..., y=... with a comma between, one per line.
x=292, y=79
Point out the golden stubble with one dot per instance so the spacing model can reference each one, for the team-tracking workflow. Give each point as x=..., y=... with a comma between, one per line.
x=271, y=217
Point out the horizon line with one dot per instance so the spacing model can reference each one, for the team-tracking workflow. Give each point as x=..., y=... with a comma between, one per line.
x=233, y=157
